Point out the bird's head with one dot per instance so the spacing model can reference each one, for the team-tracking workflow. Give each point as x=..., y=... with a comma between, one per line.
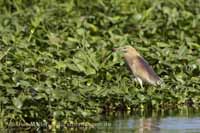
x=127, y=50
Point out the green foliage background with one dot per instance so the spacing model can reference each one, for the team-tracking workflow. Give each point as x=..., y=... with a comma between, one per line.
x=56, y=60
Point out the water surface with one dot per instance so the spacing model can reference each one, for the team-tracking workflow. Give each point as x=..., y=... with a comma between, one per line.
x=186, y=120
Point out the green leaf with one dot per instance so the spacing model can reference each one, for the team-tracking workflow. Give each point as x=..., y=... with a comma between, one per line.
x=17, y=102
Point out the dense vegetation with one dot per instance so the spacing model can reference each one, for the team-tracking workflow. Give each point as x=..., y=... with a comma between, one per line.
x=57, y=64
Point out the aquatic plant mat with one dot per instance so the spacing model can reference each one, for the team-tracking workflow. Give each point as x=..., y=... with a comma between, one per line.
x=57, y=64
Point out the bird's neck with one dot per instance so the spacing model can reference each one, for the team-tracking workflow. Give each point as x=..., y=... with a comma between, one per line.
x=130, y=58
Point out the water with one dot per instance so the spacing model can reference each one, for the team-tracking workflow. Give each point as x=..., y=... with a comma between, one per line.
x=186, y=120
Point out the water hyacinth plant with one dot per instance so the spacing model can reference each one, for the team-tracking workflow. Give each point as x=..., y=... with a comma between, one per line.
x=57, y=64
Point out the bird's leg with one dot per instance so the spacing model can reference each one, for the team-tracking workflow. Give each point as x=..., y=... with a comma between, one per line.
x=140, y=82
x=134, y=79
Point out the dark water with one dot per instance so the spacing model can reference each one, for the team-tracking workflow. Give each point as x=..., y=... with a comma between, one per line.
x=185, y=120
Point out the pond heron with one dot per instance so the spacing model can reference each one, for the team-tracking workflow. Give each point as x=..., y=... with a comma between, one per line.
x=140, y=68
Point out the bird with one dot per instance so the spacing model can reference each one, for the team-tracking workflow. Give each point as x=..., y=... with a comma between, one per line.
x=139, y=67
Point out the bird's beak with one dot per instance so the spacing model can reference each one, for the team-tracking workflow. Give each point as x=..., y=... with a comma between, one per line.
x=117, y=49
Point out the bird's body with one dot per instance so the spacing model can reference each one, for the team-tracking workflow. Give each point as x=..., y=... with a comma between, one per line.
x=140, y=68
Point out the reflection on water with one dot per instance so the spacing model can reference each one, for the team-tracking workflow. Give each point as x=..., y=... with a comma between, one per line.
x=186, y=120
